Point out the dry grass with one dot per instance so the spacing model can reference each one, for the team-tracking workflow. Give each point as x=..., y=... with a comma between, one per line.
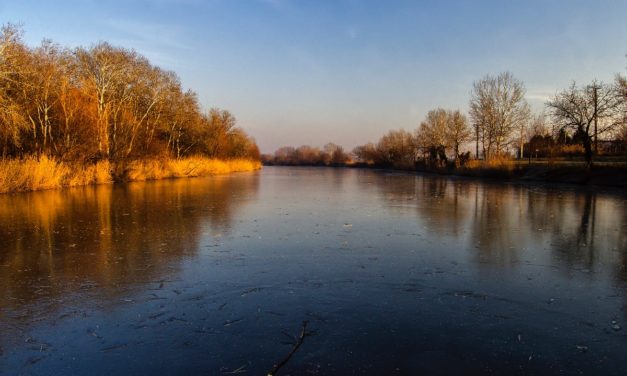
x=186, y=167
x=569, y=150
x=501, y=163
x=99, y=173
x=472, y=164
x=496, y=163
x=32, y=174
x=501, y=167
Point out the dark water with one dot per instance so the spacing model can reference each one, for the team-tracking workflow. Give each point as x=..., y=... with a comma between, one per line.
x=394, y=274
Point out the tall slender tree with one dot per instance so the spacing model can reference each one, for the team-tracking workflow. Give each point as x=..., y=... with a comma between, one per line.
x=497, y=108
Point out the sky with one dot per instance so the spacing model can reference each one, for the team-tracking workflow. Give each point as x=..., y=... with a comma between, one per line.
x=297, y=72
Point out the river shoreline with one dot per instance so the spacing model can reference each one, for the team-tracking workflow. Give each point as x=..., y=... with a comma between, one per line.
x=607, y=176
x=614, y=175
x=42, y=174
x=36, y=174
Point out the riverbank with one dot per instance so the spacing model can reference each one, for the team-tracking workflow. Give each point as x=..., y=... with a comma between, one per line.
x=601, y=174
x=34, y=174
x=614, y=175
x=611, y=175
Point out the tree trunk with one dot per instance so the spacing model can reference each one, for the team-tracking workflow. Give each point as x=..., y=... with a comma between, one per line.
x=477, y=142
x=587, y=147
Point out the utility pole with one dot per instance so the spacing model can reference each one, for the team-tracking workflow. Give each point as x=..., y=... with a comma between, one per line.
x=522, y=142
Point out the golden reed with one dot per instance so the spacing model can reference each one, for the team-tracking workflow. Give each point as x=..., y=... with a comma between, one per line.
x=33, y=174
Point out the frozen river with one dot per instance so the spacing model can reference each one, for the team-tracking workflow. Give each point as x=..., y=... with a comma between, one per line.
x=392, y=274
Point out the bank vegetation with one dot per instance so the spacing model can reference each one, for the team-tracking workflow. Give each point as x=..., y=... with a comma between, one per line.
x=582, y=133
x=104, y=113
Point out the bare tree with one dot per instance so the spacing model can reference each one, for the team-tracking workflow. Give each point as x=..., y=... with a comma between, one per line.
x=621, y=94
x=443, y=131
x=434, y=127
x=103, y=102
x=537, y=126
x=39, y=94
x=309, y=155
x=333, y=154
x=397, y=148
x=497, y=108
x=579, y=109
x=12, y=120
x=180, y=121
x=104, y=74
x=150, y=88
x=285, y=155
x=457, y=131
x=239, y=145
x=621, y=86
x=432, y=133
x=219, y=124
x=366, y=153
x=75, y=116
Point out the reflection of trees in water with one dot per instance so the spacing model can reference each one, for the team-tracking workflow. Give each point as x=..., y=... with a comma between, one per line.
x=495, y=225
x=621, y=268
x=60, y=242
x=590, y=236
x=337, y=176
x=622, y=243
x=582, y=229
x=442, y=201
x=573, y=237
x=459, y=207
x=567, y=222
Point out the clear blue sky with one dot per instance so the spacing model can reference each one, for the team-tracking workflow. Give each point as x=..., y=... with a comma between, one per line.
x=312, y=71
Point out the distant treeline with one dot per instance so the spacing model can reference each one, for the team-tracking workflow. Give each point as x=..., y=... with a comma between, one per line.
x=580, y=121
x=104, y=103
x=330, y=155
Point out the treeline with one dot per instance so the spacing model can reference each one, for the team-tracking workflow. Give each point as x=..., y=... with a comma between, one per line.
x=579, y=121
x=104, y=103
x=305, y=155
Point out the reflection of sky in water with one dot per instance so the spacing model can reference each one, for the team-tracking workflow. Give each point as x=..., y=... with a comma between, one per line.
x=392, y=270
